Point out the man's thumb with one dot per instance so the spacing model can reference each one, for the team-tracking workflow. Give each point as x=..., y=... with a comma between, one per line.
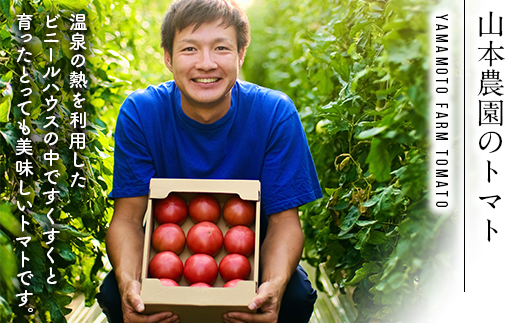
x=257, y=302
x=136, y=301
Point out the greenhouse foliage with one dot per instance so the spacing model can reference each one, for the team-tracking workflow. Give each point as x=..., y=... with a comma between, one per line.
x=356, y=70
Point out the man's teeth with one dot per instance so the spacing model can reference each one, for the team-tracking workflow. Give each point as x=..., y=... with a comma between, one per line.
x=206, y=80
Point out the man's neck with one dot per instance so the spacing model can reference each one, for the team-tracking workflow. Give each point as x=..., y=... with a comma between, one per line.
x=203, y=113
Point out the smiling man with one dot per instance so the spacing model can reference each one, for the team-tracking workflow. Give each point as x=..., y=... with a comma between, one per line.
x=205, y=62
x=208, y=124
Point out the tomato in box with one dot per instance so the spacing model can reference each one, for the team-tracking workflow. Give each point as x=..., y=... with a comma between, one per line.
x=165, y=264
x=232, y=283
x=169, y=236
x=204, y=207
x=205, y=237
x=238, y=212
x=203, y=285
x=240, y=239
x=172, y=209
x=234, y=266
x=168, y=282
x=201, y=268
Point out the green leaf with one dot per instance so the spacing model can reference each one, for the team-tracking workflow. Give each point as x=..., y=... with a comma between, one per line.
x=5, y=310
x=371, y=132
x=383, y=201
x=37, y=257
x=67, y=289
x=9, y=266
x=323, y=80
x=340, y=65
x=10, y=222
x=11, y=135
x=98, y=103
x=379, y=160
x=377, y=237
x=373, y=201
x=6, y=78
x=364, y=223
x=340, y=206
x=351, y=218
x=98, y=264
x=330, y=191
x=70, y=230
x=64, y=250
x=366, y=270
x=362, y=237
x=42, y=220
x=73, y=4
x=5, y=109
x=55, y=311
x=6, y=4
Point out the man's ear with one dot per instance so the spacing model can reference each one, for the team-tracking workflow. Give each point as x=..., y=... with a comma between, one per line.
x=168, y=60
x=241, y=57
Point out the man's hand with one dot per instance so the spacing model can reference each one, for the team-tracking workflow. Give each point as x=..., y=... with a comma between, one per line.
x=268, y=301
x=133, y=306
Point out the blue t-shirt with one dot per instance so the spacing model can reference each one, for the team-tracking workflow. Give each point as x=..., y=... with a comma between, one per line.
x=259, y=138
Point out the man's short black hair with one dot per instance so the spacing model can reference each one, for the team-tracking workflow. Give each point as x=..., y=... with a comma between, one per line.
x=185, y=13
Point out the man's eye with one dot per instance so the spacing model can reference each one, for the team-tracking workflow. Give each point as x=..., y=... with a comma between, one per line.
x=221, y=48
x=189, y=49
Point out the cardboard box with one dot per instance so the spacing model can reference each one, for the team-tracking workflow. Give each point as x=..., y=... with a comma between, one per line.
x=194, y=304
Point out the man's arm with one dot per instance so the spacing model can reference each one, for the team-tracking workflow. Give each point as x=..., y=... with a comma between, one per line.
x=124, y=240
x=281, y=252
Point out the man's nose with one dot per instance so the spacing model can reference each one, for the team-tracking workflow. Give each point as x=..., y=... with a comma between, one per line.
x=206, y=61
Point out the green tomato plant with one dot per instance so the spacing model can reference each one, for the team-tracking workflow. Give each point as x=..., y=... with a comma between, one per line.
x=122, y=54
x=357, y=71
x=62, y=264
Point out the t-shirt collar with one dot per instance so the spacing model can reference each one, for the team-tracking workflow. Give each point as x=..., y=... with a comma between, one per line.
x=179, y=113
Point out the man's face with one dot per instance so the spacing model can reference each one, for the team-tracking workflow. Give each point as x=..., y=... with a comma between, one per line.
x=205, y=65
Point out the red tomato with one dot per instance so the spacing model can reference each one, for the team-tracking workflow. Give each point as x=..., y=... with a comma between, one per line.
x=168, y=282
x=201, y=268
x=234, y=266
x=168, y=236
x=238, y=212
x=205, y=237
x=240, y=239
x=172, y=209
x=204, y=285
x=165, y=264
x=232, y=283
x=204, y=207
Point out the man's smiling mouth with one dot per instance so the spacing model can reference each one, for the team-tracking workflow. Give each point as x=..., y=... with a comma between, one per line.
x=206, y=80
